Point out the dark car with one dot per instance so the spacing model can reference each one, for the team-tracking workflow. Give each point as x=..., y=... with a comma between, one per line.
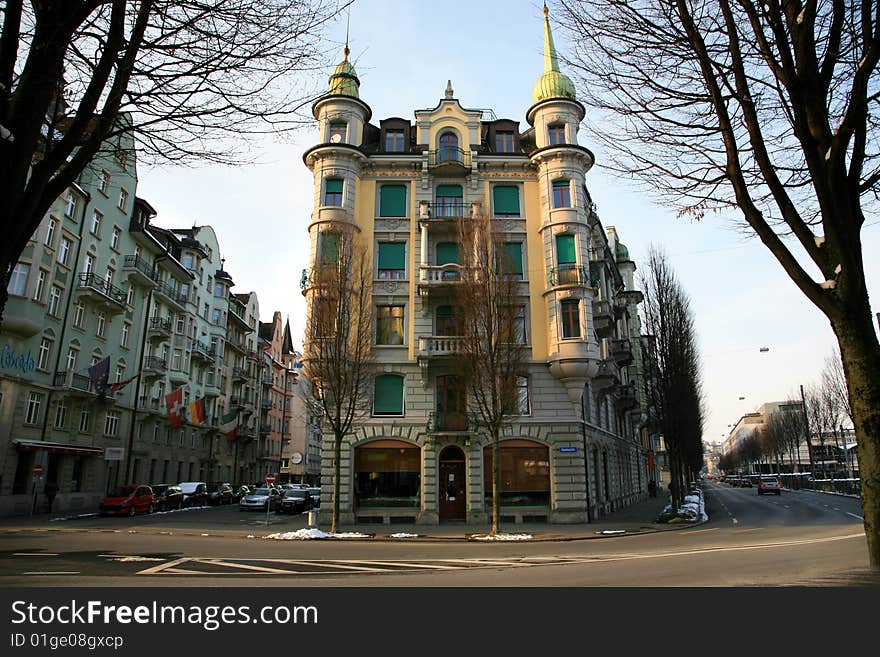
x=128, y=500
x=316, y=496
x=195, y=493
x=220, y=494
x=295, y=500
x=746, y=483
x=167, y=497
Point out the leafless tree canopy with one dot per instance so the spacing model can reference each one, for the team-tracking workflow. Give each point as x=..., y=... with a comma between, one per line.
x=492, y=351
x=673, y=363
x=337, y=354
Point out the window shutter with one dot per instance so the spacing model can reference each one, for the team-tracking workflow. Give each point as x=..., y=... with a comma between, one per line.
x=506, y=199
x=513, y=258
x=329, y=248
x=388, y=399
x=333, y=186
x=447, y=253
x=447, y=191
x=392, y=255
x=565, y=253
x=392, y=201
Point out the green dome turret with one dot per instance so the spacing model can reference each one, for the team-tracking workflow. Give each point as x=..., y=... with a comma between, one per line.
x=344, y=81
x=621, y=252
x=553, y=83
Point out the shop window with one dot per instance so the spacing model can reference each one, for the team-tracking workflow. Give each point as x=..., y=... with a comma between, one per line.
x=524, y=474
x=387, y=474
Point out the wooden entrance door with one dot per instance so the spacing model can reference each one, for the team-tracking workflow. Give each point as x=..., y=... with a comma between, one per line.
x=452, y=486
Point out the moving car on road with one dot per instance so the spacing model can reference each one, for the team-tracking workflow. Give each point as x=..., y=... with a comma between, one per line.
x=769, y=485
x=128, y=500
x=167, y=496
x=260, y=499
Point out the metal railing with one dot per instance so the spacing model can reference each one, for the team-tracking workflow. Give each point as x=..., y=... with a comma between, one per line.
x=568, y=275
x=160, y=324
x=449, y=155
x=451, y=421
x=92, y=281
x=449, y=209
x=155, y=363
x=136, y=262
x=201, y=349
x=72, y=380
x=240, y=373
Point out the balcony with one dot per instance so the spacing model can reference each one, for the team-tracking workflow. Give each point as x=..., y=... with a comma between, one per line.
x=450, y=161
x=450, y=422
x=179, y=377
x=265, y=429
x=568, y=275
x=100, y=292
x=139, y=271
x=240, y=374
x=266, y=405
x=438, y=277
x=625, y=396
x=154, y=367
x=603, y=320
x=253, y=356
x=448, y=210
x=620, y=306
x=152, y=404
x=212, y=389
x=171, y=295
x=202, y=351
x=159, y=329
x=631, y=297
x=77, y=385
x=439, y=346
x=621, y=352
x=235, y=401
x=606, y=377
x=236, y=344
x=267, y=381
x=237, y=313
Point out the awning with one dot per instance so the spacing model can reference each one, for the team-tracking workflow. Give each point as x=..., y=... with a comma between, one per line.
x=56, y=448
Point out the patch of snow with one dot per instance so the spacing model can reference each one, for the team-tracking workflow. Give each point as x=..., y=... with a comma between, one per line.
x=404, y=535
x=251, y=536
x=309, y=534
x=81, y=515
x=181, y=510
x=205, y=534
x=502, y=537
x=127, y=559
x=612, y=531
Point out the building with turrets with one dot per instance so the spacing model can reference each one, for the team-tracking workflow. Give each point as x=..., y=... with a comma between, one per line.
x=400, y=189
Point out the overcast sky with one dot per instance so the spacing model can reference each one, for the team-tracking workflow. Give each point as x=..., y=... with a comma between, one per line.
x=404, y=51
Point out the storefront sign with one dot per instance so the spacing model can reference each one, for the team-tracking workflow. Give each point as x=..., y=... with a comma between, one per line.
x=10, y=359
x=114, y=453
x=568, y=450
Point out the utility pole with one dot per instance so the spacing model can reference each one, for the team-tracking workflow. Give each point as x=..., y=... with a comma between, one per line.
x=807, y=431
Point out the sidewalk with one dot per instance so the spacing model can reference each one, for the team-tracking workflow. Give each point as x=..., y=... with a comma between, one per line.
x=638, y=518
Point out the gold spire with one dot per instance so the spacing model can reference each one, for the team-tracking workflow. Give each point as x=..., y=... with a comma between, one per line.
x=344, y=81
x=553, y=83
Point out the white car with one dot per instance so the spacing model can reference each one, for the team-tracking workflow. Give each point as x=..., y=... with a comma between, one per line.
x=260, y=499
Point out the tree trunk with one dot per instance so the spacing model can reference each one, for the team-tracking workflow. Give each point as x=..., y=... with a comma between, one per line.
x=860, y=353
x=496, y=483
x=337, y=467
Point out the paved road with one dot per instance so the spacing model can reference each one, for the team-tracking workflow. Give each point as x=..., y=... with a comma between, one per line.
x=798, y=538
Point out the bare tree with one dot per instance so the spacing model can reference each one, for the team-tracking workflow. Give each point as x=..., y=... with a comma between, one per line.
x=674, y=369
x=822, y=413
x=337, y=351
x=492, y=345
x=764, y=107
x=188, y=78
x=833, y=380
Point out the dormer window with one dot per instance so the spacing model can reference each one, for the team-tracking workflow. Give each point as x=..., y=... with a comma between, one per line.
x=555, y=134
x=394, y=141
x=504, y=141
x=337, y=132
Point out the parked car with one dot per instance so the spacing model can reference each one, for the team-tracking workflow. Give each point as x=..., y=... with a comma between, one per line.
x=745, y=482
x=195, y=493
x=295, y=500
x=128, y=500
x=220, y=494
x=167, y=496
x=769, y=485
x=259, y=499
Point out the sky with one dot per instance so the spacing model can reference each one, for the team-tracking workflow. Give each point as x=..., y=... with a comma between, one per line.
x=492, y=53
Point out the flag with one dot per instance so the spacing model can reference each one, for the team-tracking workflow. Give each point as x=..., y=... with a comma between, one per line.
x=98, y=375
x=197, y=412
x=174, y=402
x=119, y=385
x=228, y=423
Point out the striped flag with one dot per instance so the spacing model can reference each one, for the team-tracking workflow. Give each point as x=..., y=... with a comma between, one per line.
x=119, y=385
x=197, y=412
x=229, y=423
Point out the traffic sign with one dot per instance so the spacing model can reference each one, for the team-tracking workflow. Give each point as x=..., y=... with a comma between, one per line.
x=38, y=469
x=270, y=478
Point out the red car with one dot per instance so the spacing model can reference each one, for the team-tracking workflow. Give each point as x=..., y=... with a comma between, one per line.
x=128, y=500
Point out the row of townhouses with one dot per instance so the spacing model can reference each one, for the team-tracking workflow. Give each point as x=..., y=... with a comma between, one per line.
x=99, y=279
x=579, y=446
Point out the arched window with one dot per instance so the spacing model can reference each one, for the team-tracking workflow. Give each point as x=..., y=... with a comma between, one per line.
x=448, y=147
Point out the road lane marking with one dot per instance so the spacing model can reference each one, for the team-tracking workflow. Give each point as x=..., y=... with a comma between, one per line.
x=52, y=572
x=34, y=554
x=854, y=515
x=697, y=531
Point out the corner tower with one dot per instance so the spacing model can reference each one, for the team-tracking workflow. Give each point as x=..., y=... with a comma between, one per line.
x=562, y=165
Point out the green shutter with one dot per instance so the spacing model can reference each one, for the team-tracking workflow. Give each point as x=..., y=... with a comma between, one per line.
x=506, y=199
x=513, y=258
x=388, y=399
x=333, y=186
x=329, y=248
x=392, y=201
x=446, y=191
x=560, y=183
x=392, y=255
x=447, y=253
x=565, y=253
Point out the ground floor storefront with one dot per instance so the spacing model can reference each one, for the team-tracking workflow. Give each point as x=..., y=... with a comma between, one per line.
x=546, y=473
